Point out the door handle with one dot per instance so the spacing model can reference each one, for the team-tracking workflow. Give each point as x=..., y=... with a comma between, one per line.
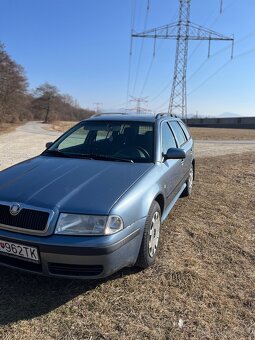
x=182, y=162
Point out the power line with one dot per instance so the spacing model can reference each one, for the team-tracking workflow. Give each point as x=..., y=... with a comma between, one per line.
x=166, y=86
x=130, y=49
x=153, y=60
x=182, y=32
x=210, y=77
x=141, y=48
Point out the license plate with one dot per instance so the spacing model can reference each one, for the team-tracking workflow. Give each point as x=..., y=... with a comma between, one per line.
x=19, y=250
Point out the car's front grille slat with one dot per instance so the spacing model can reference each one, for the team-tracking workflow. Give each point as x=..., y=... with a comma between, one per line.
x=27, y=219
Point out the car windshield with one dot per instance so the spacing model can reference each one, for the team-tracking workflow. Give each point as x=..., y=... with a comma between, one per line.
x=130, y=141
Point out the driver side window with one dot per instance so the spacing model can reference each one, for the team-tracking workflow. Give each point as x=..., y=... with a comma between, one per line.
x=168, y=140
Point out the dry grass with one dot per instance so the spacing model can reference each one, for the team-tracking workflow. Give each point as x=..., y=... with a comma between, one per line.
x=222, y=134
x=60, y=126
x=204, y=276
x=7, y=127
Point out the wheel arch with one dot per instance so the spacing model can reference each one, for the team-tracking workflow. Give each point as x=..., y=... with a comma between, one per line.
x=161, y=201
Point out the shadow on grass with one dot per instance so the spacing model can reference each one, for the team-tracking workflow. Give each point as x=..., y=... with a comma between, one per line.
x=24, y=296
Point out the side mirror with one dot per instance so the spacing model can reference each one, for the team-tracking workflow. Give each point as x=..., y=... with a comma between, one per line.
x=49, y=144
x=175, y=153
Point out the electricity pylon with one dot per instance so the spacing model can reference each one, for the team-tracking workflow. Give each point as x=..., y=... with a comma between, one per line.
x=138, y=102
x=98, y=107
x=183, y=31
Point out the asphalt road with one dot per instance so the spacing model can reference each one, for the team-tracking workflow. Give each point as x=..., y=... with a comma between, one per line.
x=29, y=140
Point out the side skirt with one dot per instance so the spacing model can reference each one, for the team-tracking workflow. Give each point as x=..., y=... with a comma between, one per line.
x=171, y=205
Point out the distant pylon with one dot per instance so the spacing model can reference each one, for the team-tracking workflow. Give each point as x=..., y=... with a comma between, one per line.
x=138, y=102
x=182, y=32
x=98, y=107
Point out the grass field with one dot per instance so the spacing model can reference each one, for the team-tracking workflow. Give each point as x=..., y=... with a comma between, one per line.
x=60, y=126
x=202, y=286
x=222, y=134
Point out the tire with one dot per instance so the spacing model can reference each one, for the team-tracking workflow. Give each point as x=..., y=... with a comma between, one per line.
x=151, y=236
x=189, y=183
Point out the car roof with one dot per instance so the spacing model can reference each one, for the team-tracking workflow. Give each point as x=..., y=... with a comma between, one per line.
x=131, y=117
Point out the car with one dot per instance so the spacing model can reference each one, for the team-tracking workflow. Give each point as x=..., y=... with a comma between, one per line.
x=93, y=202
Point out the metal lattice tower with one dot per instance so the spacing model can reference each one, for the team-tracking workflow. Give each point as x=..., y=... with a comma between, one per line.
x=178, y=99
x=138, y=102
x=183, y=31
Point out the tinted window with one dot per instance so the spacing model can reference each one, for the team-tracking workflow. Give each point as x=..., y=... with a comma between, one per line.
x=168, y=140
x=181, y=138
x=186, y=131
x=76, y=138
x=113, y=139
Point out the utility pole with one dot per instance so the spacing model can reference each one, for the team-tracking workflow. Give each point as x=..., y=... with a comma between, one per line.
x=138, y=102
x=183, y=31
x=98, y=107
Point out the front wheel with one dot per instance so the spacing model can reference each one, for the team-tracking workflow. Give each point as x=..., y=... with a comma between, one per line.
x=151, y=235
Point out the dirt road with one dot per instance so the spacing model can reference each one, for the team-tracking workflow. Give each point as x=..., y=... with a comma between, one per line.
x=29, y=140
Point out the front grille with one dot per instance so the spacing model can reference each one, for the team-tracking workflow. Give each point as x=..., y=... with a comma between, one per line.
x=26, y=219
x=75, y=270
x=20, y=264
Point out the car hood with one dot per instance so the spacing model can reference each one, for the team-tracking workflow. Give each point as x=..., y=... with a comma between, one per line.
x=68, y=184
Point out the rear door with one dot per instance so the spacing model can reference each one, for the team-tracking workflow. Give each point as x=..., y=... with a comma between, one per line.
x=185, y=143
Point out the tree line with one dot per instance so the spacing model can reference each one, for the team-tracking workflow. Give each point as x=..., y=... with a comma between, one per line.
x=45, y=103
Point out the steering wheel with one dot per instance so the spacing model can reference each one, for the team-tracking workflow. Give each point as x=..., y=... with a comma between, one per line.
x=144, y=151
x=137, y=150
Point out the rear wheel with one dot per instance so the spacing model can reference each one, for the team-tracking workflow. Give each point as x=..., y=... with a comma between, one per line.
x=189, y=184
x=151, y=235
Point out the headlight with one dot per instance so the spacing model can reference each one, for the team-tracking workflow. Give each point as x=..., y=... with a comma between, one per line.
x=73, y=224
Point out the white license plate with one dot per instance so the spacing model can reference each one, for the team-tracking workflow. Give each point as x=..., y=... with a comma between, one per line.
x=19, y=250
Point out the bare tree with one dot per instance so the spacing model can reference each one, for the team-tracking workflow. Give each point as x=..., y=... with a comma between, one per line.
x=46, y=98
x=45, y=103
x=13, y=89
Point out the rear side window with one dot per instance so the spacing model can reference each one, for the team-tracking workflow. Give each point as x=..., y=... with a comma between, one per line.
x=181, y=138
x=168, y=140
x=186, y=131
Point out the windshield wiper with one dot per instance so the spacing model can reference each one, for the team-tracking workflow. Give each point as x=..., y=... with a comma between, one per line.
x=110, y=158
x=59, y=153
x=55, y=153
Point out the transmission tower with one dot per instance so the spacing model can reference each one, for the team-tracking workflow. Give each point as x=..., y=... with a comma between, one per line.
x=98, y=107
x=138, y=102
x=183, y=31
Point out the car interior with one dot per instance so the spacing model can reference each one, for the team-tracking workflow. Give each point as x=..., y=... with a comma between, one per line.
x=133, y=141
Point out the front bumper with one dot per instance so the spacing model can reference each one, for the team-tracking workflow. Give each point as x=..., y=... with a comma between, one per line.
x=84, y=257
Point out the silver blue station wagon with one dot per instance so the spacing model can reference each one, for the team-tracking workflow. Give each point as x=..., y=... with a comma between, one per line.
x=94, y=200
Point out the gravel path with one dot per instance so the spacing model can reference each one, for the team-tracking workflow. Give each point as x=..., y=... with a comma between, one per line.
x=29, y=140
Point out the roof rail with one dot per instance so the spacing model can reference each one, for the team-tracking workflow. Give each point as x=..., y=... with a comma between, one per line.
x=108, y=113
x=165, y=114
x=158, y=115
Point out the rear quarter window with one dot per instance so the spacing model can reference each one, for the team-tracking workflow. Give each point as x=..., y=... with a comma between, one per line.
x=181, y=137
x=185, y=130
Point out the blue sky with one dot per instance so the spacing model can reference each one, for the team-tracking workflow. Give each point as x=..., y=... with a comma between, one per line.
x=82, y=47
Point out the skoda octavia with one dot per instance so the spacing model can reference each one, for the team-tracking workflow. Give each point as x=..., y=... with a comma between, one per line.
x=94, y=200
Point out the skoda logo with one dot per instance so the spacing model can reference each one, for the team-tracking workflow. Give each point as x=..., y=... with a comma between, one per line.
x=15, y=209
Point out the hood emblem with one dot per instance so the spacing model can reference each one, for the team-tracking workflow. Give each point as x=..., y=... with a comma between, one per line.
x=15, y=209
